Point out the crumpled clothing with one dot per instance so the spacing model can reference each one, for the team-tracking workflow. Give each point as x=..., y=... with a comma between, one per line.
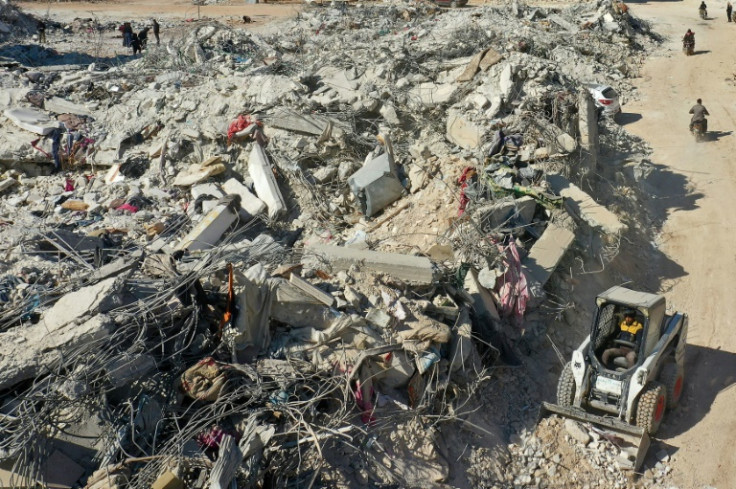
x=496, y=144
x=464, y=180
x=205, y=380
x=213, y=437
x=514, y=292
x=239, y=124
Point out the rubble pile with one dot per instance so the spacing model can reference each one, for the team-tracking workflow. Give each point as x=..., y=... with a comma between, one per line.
x=290, y=259
x=13, y=22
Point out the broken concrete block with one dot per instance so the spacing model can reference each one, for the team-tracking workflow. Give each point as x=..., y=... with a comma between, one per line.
x=61, y=106
x=264, y=182
x=310, y=289
x=57, y=472
x=376, y=185
x=389, y=113
x=325, y=174
x=379, y=318
x=491, y=58
x=209, y=230
x=567, y=143
x=28, y=351
x=248, y=202
x=414, y=269
x=198, y=173
x=547, y=253
x=206, y=189
x=506, y=81
x=313, y=125
x=7, y=183
x=483, y=302
x=431, y=94
x=472, y=67
x=32, y=120
x=462, y=132
x=582, y=205
x=577, y=432
x=168, y=480
x=295, y=308
x=124, y=369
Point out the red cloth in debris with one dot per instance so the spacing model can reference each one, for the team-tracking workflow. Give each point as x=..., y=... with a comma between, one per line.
x=468, y=173
x=363, y=395
x=238, y=125
x=513, y=293
x=68, y=186
x=127, y=207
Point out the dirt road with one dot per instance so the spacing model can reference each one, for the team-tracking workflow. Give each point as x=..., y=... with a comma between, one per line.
x=697, y=193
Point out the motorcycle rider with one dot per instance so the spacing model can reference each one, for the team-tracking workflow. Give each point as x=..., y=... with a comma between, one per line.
x=699, y=112
x=703, y=9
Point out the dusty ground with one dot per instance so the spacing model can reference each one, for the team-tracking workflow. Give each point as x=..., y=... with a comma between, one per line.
x=698, y=196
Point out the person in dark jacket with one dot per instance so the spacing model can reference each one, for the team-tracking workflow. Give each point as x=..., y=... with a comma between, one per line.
x=41, y=26
x=127, y=35
x=135, y=44
x=143, y=38
x=156, y=28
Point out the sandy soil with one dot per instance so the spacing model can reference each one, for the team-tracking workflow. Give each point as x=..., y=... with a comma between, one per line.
x=697, y=193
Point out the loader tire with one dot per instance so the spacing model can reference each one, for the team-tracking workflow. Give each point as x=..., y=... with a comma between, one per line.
x=651, y=406
x=566, y=387
x=672, y=377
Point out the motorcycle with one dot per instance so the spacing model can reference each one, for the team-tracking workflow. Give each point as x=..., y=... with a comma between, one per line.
x=703, y=13
x=688, y=47
x=699, y=128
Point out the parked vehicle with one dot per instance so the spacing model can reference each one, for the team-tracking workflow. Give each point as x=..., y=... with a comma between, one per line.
x=450, y=3
x=605, y=98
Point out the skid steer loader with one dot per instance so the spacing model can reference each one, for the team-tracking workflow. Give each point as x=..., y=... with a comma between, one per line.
x=625, y=404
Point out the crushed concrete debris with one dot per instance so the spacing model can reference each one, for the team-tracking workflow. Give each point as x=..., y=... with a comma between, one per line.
x=289, y=259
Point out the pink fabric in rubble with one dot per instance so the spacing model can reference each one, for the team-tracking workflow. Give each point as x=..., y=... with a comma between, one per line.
x=514, y=293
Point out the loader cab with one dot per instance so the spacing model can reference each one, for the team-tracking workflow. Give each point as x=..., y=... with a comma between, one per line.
x=613, y=304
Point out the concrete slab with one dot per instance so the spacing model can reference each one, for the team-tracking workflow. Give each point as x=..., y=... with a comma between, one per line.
x=581, y=205
x=58, y=472
x=31, y=120
x=61, y=106
x=462, y=132
x=547, y=253
x=248, y=201
x=311, y=290
x=433, y=94
x=413, y=269
x=264, y=182
x=26, y=352
x=472, y=67
x=209, y=230
x=313, y=125
x=376, y=185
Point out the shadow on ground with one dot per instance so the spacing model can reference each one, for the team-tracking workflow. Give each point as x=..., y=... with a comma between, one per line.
x=34, y=55
x=628, y=118
x=716, y=135
x=701, y=362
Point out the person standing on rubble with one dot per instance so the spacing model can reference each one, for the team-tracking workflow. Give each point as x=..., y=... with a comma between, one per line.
x=156, y=28
x=143, y=38
x=136, y=44
x=127, y=34
x=41, y=26
x=729, y=11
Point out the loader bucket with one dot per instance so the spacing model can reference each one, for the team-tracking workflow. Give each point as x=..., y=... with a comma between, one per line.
x=632, y=440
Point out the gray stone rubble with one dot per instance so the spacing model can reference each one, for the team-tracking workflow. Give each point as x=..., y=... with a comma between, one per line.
x=300, y=256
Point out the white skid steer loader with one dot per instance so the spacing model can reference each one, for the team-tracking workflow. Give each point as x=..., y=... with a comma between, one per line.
x=627, y=401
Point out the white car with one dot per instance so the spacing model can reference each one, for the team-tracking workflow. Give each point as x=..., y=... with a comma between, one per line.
x=605, y=98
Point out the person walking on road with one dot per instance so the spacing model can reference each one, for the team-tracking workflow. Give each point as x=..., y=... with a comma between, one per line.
x=729, y=11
